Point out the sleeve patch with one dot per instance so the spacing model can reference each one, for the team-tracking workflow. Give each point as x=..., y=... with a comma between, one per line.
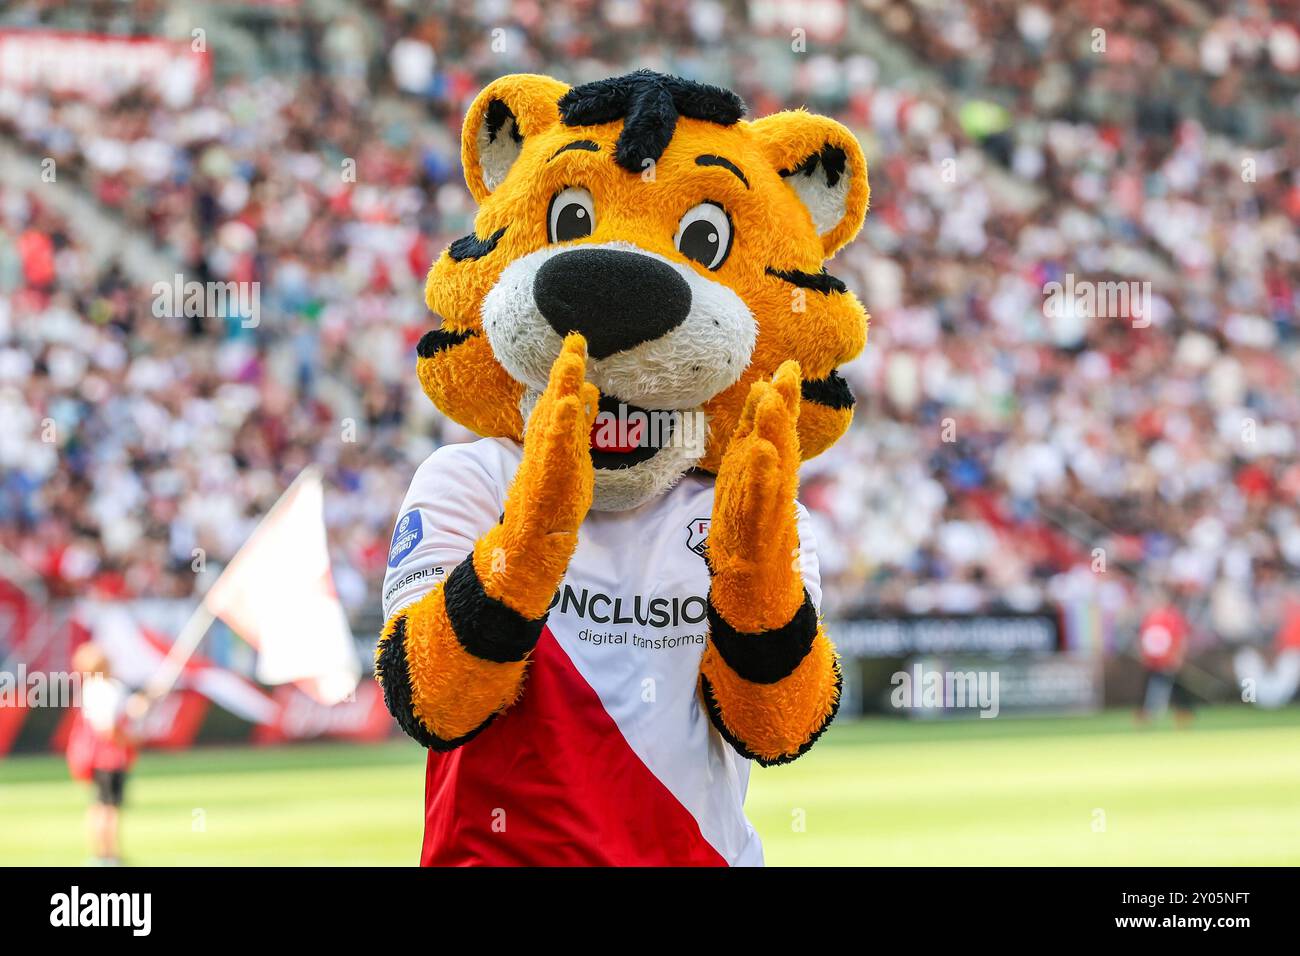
x=408, y=533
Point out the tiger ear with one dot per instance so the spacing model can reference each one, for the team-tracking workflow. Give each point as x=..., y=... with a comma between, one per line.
x=821, y=161
x=500, y=119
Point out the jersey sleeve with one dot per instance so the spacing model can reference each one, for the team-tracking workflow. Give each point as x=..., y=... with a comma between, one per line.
x=450, y=657
x=454, y=498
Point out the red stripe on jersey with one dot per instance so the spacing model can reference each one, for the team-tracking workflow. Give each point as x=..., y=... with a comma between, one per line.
x=552, y=782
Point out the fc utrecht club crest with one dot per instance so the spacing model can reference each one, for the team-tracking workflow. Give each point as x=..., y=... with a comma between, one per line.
x=697, y=535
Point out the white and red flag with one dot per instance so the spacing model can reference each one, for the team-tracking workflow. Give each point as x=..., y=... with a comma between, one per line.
x=136, y=652
x=278, y=595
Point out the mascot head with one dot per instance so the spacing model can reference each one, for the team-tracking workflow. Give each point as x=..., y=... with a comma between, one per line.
x=685, y=243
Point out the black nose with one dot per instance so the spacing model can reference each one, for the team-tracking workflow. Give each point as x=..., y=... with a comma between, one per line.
x=616, y=299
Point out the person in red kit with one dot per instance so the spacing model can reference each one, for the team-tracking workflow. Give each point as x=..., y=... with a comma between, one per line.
x=102, y=748
x=1162, y=646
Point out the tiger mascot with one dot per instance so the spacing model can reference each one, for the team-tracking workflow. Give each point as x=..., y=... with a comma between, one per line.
x=602, y=611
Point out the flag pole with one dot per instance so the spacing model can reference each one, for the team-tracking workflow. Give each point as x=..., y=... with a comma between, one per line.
x=182, y=649
x=196, y=628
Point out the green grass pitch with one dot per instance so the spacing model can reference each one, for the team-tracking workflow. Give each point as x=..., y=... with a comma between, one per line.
x=1089, y=790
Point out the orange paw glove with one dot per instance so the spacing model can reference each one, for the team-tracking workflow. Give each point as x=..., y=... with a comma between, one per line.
x=753, y=537
x=523, y=560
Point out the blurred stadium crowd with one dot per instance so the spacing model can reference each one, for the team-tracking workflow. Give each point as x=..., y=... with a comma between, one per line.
x=1003, y=455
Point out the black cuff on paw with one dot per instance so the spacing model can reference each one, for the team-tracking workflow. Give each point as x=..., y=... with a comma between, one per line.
x=486, y=627
x=738, y=745
x=395, y=676
x=768, y=656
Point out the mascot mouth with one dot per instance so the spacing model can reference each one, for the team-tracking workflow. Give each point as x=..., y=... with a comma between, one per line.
x=663, y=340
x=637, y=452
x=624, y=435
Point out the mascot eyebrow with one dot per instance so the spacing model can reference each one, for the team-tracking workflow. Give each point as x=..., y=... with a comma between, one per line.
x=583, y=144
x=725, y=163
x=650, y=104
x=472, y=247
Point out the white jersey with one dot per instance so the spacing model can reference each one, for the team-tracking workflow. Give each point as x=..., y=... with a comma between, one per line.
x=630, y=618
x=103, y=703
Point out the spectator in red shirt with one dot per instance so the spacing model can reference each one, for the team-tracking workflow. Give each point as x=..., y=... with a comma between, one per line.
x=36, y=250
x=1162, y=646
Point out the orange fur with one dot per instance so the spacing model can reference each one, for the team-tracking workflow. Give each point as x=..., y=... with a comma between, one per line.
x=452, y=691
x=474, y=370
x=788, y=138
x=759, y=428
x=772, y=227
x=754, y=539
x=522, y=561
x=820, y=426
x=776, y=720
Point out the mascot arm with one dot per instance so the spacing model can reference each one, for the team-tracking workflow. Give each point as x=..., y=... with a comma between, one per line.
x=770, y=677
x=452, y=660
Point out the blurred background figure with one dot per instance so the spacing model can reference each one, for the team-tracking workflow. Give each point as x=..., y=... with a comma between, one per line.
x=102, y=749
x=1162, y=643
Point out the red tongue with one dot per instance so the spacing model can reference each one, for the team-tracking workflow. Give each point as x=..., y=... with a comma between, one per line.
x=608, y=434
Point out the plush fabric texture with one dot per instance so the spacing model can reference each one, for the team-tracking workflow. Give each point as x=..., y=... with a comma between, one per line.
x=769, y=675
x=747, y=331
x=486, y=627
x=521, y=561
x=754, y=539
x=465, y=662
x=822, y=282
x=683, y=367
x=773, y=723
x=472, y=247
x=830, y=392
x=780, y=218
x=448, y=693
x=641, y=298
x=770, y=656
x=649, y=105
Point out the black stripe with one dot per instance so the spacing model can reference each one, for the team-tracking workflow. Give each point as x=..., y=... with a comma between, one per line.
x=472, y=247
x=822, y=282
x=649, y=104
x=435, y=341
x=496, y=116
x=769, y=656
x=831, y=391
x=486, y=627
x=831, y=158
x=724, y=163
x=715, y=717
x=584, y=144
x=395, y=677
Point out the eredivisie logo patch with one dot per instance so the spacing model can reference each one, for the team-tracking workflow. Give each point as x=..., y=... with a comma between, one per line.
x=407, y=534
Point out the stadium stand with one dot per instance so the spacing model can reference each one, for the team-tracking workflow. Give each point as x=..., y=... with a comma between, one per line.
x=1000, y=450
